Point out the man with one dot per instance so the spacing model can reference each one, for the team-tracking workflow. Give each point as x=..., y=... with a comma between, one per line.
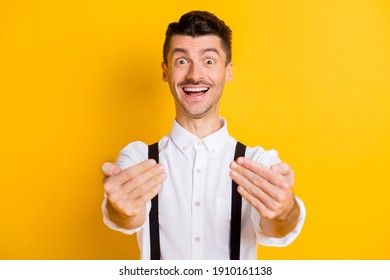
x=193, y=179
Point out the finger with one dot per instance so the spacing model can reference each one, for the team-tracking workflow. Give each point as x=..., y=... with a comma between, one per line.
x=256, y=167
x=263, y=171
x=110, y=169
x=246, y=177
x=139, y=183
x=114, y=184
x=132, y=171
x=150, y=194
x=144, y=182
x=285, y=170
x=263, y=210
x=281, y=168
x=131, y=206
x=259, y=192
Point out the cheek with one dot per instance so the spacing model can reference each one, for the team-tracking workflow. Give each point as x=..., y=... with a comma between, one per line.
x=177, y=75
x=218, y=77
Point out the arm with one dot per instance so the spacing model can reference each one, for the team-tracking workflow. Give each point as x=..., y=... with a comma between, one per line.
x=269, y=191
x=129, y=190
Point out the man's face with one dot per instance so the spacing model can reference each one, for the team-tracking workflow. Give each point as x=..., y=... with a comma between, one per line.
x=196, y=71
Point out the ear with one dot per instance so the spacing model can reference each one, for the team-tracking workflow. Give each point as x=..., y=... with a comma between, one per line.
x=229, y=72
x=164, y=67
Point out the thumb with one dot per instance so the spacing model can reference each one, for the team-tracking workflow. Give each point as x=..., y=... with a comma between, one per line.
x=110, y=169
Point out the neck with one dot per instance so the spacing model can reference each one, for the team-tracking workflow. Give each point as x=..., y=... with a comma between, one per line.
x=200, y=127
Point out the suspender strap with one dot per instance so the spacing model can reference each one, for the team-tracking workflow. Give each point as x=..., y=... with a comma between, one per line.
x=153, y=215
x=235, y=222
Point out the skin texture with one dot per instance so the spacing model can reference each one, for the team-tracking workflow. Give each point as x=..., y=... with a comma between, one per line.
x=196, y=71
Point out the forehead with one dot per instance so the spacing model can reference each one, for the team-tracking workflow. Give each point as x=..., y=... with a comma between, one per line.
x=195, y=44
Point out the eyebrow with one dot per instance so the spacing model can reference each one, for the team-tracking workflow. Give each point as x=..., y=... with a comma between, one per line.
x=211, y=50
x=180, y=50
x=175, y=50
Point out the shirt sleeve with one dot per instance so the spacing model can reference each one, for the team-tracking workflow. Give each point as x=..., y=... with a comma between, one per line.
x=132, y=154
x=269, y=158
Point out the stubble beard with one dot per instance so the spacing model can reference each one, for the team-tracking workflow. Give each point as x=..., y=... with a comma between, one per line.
x=198, y=111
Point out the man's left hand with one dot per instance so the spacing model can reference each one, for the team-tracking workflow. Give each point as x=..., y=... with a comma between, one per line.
x=269, y=190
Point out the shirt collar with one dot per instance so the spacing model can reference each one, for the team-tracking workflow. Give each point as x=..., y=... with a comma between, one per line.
x=186, y=141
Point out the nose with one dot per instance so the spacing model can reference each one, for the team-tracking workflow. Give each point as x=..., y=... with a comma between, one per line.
x=195, y=72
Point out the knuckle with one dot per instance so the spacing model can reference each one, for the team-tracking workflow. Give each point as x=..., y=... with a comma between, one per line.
x=266, y=215
x=130, y=212
x=258, y=205
x=285, y=185
x=155, y=190
x=257, y=181
x=157, y=180
x=270, y=215
x=146, y=198
x=112, y=197
x=261, y=172
x=107, y=186
x=129, y=172
x=280, y=197
x=136, y=181
x=152, y=182
x=274, y=206
x=285, y=165
x=118, y=203
x=127, y=208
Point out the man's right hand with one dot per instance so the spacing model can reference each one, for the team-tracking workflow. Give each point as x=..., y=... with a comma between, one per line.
x=129, y=190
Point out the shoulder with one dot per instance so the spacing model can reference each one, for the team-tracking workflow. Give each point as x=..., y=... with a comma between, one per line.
x=260, y=155
x=132, y=154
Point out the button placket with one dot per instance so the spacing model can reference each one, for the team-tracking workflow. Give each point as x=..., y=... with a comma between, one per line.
x=197, y=200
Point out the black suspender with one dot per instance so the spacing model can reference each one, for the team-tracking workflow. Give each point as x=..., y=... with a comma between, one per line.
x=235, y=223
x=153, y=215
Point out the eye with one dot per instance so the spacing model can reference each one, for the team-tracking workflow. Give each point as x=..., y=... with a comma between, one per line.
x=181, y=61
x=209, y=61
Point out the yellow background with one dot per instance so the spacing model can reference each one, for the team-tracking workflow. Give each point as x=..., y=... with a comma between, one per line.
x=81, y=79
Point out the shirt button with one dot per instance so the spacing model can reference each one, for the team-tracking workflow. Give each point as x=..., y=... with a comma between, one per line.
x=198, y=170
x=197, y=239
x=199, y=146
x=197, y=204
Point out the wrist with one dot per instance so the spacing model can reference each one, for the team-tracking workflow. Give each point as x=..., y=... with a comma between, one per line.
x=289, y=212
x=122, y=220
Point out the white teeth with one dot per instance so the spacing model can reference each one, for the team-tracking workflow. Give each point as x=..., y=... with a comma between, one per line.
x=191, y=89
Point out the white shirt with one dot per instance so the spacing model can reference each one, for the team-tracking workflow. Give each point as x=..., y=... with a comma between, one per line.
x=195, y=200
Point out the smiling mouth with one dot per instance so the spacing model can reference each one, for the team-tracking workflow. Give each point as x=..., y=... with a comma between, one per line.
x=195, y=90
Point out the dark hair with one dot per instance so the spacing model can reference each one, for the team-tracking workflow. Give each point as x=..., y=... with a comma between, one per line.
x=198, y=23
